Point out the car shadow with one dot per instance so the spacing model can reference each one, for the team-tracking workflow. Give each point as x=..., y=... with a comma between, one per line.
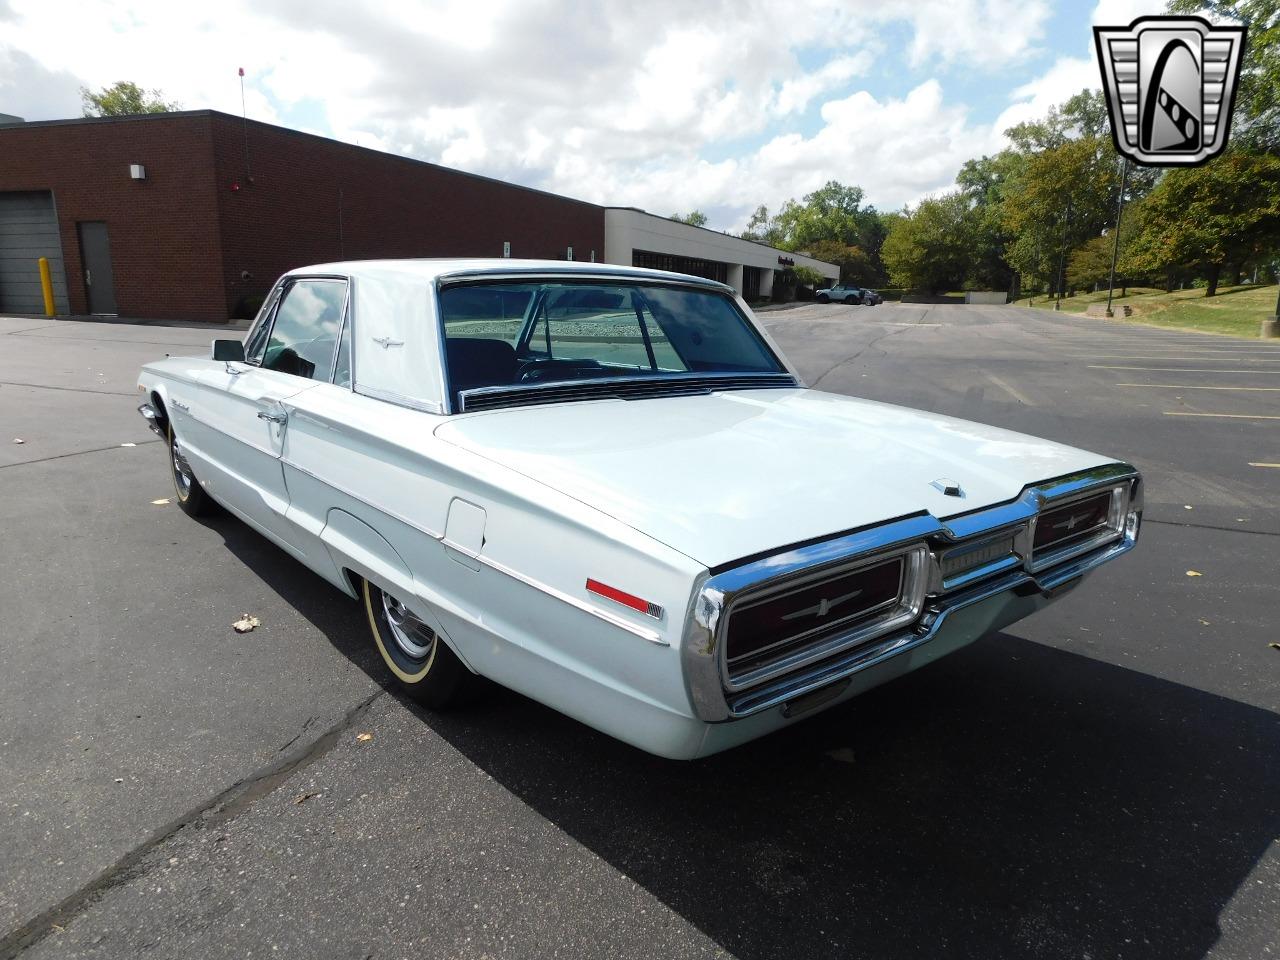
x=1010, y=800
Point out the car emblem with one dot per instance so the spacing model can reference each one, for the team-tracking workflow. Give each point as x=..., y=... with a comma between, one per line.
x=1171, y=84
x=822, y=607
x=1071, y=521
x=386, y=342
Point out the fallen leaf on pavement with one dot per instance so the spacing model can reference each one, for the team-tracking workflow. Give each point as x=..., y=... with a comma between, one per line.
x=1205, y=622
x=304, y=797
x=1194, y=573
x=160, y=503
x=128, y=444
x=364, y=737
x=1274, y=646
x=246, y=623
x=18, y=440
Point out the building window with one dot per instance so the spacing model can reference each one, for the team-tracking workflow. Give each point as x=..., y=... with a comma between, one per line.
x=711, y=269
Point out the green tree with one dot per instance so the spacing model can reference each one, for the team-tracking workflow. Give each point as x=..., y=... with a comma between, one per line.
x=1090, y=263
x=762, y=228
x=929, y=248
x=1257, y=111
x=123, y=99
x=855, y=266
x=1064, y=196
x=695, y=219
x=808, y=276
x=1211, y=218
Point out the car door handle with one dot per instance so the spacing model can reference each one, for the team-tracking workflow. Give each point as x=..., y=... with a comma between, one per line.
x=273, y=417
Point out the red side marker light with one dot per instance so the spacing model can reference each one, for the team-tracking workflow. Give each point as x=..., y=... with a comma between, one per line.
x=626, y=599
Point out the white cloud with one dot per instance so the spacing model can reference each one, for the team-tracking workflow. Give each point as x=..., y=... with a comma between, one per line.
x=656, y=104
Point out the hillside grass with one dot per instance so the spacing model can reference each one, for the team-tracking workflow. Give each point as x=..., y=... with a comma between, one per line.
x=1235, y=311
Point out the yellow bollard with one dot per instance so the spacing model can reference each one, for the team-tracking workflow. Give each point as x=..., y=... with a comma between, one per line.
x=46, y=285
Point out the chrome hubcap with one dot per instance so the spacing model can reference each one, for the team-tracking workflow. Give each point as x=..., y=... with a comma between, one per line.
x=182, y=474
x=412, y=636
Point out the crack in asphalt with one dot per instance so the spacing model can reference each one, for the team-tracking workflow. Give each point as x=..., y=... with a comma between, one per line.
x=45, y=386
x=75, y=453
x=1209, y=526
x=861, y=350
x=221, y=807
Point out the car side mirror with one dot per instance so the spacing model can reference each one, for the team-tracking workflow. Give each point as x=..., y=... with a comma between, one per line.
x=228, y=350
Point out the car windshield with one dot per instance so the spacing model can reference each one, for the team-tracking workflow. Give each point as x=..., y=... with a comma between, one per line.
x=524, y=334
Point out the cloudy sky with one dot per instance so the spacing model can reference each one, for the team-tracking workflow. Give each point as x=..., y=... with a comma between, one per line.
x=662, y=104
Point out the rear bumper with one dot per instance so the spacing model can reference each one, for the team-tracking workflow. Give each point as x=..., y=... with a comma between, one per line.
x=945, y=626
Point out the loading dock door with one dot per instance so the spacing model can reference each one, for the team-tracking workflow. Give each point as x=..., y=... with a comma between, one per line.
x=29, y=231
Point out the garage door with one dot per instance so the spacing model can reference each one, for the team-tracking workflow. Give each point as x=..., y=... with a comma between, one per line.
x=29, y=231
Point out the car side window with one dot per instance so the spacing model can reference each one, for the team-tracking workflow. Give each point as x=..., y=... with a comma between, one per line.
x=304, y=336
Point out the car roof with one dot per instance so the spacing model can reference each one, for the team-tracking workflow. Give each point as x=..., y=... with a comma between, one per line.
x=432, y=269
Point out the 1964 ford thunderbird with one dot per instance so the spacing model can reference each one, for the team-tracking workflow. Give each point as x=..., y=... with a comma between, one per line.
x=606, y=488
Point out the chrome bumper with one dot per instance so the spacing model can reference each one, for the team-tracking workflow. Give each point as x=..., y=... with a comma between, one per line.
x=1026, y=583
x=153, y=419
x=1049, y=585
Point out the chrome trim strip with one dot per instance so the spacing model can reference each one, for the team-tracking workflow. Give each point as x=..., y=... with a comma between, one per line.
x=434, y=535
x=650, y=635
x=389, y=396
x=681, y=382
x=615, y=272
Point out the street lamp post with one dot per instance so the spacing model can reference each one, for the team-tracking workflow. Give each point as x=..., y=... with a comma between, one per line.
x=1115, y=247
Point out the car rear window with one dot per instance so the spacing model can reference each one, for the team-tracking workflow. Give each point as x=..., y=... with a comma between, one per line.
x=524, y=334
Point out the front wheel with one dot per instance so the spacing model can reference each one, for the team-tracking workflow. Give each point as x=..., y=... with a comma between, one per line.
x=191, y=496
x=824, y=299
x=427, y=669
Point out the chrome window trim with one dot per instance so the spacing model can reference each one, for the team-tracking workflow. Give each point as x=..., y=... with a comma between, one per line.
x=702, y=652
x=390, y=396
x=343, y=326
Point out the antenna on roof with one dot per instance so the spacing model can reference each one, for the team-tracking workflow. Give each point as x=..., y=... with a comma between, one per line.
x=244, y=119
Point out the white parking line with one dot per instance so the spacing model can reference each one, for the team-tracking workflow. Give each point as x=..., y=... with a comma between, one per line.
x=1201, y=359
x=1107, y=366
x=1011, y=391
x=1225, y=416
x=1183, y=386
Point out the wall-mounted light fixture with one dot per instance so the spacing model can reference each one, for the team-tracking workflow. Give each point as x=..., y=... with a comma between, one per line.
x=137, y=171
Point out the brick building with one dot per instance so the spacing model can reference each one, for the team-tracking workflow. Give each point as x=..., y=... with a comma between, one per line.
x=194, y=215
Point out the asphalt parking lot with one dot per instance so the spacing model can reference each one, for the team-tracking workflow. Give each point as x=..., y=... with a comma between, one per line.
x=1101, y=781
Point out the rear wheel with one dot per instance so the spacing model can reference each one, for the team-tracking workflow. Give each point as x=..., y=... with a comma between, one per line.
x=423, y=664
x=191, y=496
x=850, y=300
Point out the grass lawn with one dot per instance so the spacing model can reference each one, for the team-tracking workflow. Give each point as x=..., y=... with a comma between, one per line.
x=1237, y=311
